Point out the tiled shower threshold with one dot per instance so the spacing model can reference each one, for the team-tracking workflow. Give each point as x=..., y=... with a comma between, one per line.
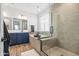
x=57, y=51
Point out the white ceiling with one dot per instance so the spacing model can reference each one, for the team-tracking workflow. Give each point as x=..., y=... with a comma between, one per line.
x=30, y=7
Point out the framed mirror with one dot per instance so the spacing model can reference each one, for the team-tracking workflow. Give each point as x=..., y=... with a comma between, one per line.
x=16, y=24
x=24, y=24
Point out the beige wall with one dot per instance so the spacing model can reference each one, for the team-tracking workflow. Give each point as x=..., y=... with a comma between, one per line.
x=66, y=25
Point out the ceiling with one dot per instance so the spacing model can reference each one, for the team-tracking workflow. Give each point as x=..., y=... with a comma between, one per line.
x=34, y=8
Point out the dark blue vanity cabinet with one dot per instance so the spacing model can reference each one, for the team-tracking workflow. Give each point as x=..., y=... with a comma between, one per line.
x=19, y=38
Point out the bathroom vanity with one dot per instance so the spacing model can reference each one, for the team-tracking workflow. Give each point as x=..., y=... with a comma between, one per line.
x=19, y=38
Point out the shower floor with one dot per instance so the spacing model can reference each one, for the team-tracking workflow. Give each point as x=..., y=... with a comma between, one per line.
x=57, y=51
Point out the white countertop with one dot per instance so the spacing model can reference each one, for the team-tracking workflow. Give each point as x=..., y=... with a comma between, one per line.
x=47, y=38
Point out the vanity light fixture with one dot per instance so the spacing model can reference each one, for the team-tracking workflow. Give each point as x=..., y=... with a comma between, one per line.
x=22, y=17
x=4, y=14
x=38, y=8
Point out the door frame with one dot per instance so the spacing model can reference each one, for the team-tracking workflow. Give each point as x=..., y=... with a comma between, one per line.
x=1, y=30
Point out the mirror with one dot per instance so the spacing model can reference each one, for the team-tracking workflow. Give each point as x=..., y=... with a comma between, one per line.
x=24, y=24
x=16, y=24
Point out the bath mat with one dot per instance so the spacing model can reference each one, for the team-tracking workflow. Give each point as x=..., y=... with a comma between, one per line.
x=30, y=53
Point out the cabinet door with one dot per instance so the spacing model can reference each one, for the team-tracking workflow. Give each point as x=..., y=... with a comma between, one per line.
x=18, y=38
x=12, y=38
x=25, y=37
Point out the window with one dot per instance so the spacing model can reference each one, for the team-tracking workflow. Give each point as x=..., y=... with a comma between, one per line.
x=44, y=27
x=44, y=23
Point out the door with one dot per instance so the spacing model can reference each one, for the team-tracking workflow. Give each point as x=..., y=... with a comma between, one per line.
x=1, y=30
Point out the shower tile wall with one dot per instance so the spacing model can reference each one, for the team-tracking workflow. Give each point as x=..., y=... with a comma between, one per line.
x=66, y=25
